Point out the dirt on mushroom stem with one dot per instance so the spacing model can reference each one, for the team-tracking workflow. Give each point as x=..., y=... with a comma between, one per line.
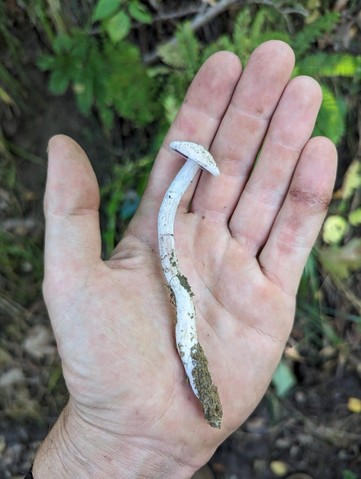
x=208, y=392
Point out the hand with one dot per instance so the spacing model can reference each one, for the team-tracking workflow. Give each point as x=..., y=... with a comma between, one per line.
x=242, y=245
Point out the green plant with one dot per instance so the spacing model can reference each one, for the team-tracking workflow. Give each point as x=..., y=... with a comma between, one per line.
x=116, y=17
x=251, y=28
x=347, y=474
x=104, y=71
x=121, y=197
x=12, y=74
x=341, y=254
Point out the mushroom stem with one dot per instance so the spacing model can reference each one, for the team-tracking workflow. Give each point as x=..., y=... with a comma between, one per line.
x=190, y=351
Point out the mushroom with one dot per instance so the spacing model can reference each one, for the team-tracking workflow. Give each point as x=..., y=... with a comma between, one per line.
x=190, y=351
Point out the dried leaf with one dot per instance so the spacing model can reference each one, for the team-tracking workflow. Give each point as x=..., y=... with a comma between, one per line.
x=283, y=379
x=39, y=342
x=342, y=261
x=11, y=377
x=352, y=179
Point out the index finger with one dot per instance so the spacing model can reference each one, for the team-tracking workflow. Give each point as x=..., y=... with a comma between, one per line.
x=198, y=120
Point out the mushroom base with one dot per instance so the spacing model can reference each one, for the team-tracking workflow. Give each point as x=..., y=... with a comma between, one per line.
x=207, y=391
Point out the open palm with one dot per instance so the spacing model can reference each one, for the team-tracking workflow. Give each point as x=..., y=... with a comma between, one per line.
x=242, y=240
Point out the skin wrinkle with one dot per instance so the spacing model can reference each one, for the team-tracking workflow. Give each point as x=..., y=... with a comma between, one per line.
x=193, y=108
x=233, y=168
x=211, y=215
x=298, y=241
x=275, y=280
x=240, y=176
x=272, y=141
x=160, y=453
x=250, y=245
x=208, y=322
x=269, y=197
x=72, y=212
x=260, y=117
x=265, y=334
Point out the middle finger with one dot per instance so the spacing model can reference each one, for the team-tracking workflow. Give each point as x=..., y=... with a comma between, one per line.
x=243, y=128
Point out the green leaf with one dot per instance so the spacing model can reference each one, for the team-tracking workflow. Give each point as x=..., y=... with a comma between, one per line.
x=331, y=118
x=189, y=47
x=58, y=82
x=104, y=9
x=304, y=39
x=84, y=96
x=355, y=217
x=347, y=474
x=283, y=379
x=63, y=43
x=139, y=12
x=330, y=65
x=45, y=62
x=342, y=65
x=171, y=56
x=5, y=97
x=106, y=115
x=118, y=27
x=171, y=107
x=131, y=91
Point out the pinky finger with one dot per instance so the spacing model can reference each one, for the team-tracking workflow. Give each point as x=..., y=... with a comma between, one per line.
x=301, y=216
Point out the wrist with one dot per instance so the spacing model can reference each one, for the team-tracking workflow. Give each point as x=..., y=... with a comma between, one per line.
x=77, y=449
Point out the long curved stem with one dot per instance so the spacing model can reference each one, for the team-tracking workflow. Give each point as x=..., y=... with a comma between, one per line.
x=190, y=351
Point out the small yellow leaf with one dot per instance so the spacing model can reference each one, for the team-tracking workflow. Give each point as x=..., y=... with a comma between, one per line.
x=352, y=179
x=78, y=88
x=334, y=229
x=355, y=217
x=354, y=405
x=5, y=97
x=279, y=468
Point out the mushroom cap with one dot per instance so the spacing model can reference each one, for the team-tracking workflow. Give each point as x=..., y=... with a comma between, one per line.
x=197, y=153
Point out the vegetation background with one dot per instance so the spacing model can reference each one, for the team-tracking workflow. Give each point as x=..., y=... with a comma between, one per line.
x=112, y=73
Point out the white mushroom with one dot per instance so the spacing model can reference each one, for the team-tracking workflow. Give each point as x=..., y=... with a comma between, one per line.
x=190, y=351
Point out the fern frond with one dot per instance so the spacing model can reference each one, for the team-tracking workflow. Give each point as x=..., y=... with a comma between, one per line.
x=331, y=118
x=251, y=30
x=241, y=29
x=171, y=56
x=189, y=48
x=310, y=33
x=223, y=43
x=185, y=53
x=131, y=91
x=330, y=65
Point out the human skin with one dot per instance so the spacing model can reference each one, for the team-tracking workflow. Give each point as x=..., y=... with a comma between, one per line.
x=242, y=241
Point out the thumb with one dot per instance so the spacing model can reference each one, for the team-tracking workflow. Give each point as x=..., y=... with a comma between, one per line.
x=72, y=235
